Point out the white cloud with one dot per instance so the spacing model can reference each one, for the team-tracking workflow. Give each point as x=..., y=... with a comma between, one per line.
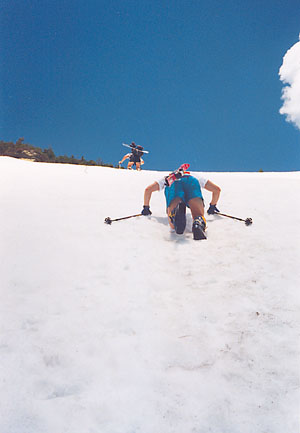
x=289, y=74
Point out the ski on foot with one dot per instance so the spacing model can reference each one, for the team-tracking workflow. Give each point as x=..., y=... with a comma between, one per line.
x=178, y=218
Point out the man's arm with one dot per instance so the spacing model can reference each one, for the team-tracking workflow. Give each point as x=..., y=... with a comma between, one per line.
x=148, y=192
x=215, y=190
x=124, y=157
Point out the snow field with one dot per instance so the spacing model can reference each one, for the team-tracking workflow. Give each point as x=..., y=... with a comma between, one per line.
x=129, y=328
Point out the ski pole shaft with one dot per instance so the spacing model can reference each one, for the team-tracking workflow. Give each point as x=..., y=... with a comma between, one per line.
x=229, y=216
x=108, y=220
x=247, y=221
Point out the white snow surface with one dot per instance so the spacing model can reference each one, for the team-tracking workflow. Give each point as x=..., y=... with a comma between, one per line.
x=129, y=328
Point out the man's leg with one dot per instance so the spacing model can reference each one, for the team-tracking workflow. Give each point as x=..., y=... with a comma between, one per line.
x=176, y=207
x=196, y=206
x=130, y=164
x=177, y=215
x=199, y=224
x=171, y=208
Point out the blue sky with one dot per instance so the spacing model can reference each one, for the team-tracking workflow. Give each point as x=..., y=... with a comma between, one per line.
x=192, y=81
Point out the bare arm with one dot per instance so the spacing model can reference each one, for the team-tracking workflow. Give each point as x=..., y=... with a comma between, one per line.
x=148, y=192
x=215, y=190
x=124, y=157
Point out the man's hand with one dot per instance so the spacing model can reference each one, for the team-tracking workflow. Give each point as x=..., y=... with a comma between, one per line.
x=212, y=209
x=146, y=210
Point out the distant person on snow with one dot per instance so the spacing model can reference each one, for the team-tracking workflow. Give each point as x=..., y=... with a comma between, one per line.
x=135, y=157
x=181, y=190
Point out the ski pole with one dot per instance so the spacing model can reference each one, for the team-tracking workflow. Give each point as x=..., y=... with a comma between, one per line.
x=108, y=220
x=247, y=221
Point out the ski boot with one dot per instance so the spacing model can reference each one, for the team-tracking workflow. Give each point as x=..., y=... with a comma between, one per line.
x=178, y=218
x=199, y=226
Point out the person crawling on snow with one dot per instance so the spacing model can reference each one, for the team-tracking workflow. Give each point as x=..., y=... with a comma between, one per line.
x=184, y=190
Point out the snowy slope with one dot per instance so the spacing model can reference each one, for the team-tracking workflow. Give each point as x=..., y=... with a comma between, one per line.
x=131, y=329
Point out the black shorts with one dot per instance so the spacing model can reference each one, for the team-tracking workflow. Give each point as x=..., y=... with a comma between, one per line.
x=135, y=158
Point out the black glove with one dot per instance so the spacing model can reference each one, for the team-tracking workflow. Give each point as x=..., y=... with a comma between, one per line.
x=146, y=210
x=212, y=209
